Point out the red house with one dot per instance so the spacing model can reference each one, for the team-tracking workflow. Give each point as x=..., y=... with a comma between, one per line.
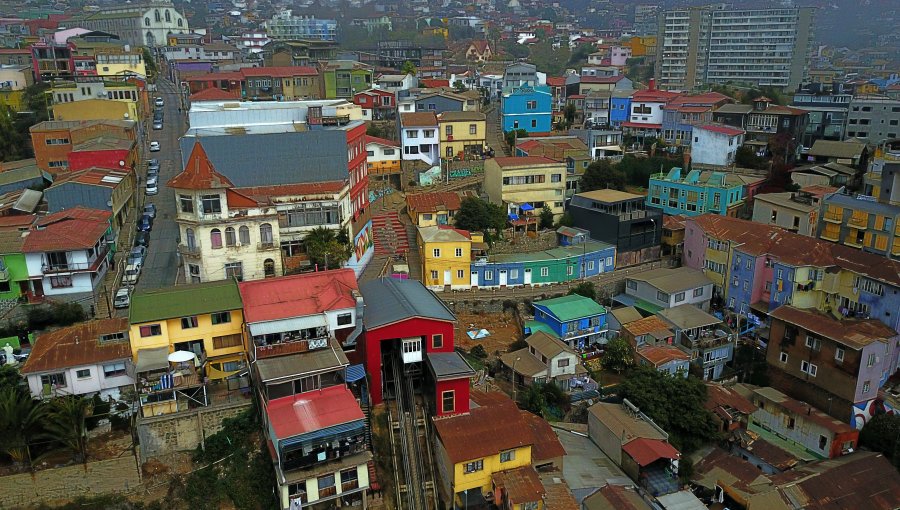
x=376, y=104
x=404, y=322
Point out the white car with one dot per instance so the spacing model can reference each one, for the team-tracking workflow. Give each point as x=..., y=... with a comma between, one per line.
x=132, y=272
x=152, y=189
x=154, y=146
x=159, y=101
x=122, y=299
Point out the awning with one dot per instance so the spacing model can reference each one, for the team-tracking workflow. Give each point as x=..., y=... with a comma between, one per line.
x=152, y=359
x=355, y=373
x=513, y=217
x=526, y=207
x=338, y=432
x=626, y=300
x=282, y=325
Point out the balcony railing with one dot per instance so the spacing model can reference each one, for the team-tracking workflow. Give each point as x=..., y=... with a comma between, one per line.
x=292, y=346
x=189, y=250
x=265, y=246
x=585, y=331
x=349, y=485
x=71, y=267
x=858, y=223
x=708, y=338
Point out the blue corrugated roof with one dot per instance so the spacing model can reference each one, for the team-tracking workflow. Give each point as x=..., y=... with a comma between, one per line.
x=337, y=432
x=355, y=373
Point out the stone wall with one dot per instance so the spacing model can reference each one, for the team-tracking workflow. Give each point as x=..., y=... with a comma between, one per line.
x=159, y=435
x=120, y=475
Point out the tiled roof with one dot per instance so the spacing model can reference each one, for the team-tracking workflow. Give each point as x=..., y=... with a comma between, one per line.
x=795, y=249
x=654, y=96
x=433, y=83
x=855, y=333
x=659, y=355
x=433, y=202
x=73, y=229
x=298, y=295
x=199, y=174
x=519, y=485
x=78, y=345
x=213, y=94
x=556, y=81
x=418, y=119
x=674, y=221
x=524, y=161
x=719, y=395
x=719, y=128
x=652, y=324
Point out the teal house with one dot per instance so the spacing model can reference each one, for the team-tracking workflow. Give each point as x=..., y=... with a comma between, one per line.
x=576, y=320
x=13, y=271
x=556, y=265
x=700, y=192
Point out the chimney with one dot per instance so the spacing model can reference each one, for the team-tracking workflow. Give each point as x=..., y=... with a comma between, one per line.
x=652, y=84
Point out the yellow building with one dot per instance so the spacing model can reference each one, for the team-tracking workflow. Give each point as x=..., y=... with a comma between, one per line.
x=534, y=180
x=643, y=46
x=462, y=134
x=95, y=109
x=436, y=32
x=13, y=81
x=446, y=254
x=205, y=319
x=120, y=64
x=98, y=95
x=862, y=224
x=435, y=208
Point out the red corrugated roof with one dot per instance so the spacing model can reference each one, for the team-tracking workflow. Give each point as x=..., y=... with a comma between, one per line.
x=262, y=194
x=433, y=83
x=661, y=354
x=199, y=173
x=433, y=202
x=658, y=96
x=646, y=451
x=298, y=295
x=556, y=81
x=78, y=345
x=73, y=229
x=381, y=141
x=523, y=161
x=213, y=94
x=638, y=125
x=725, y=130
x=312, y=411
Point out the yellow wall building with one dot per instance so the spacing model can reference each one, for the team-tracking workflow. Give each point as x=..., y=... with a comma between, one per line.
x=462, y=134
x=120, y=65
x=533, y=180
x=95, y=109
x=643, y=46
x=446, y=254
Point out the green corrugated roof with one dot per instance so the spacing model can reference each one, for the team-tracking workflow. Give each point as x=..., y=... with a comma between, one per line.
x=569, y=308
x=561, y=252
x=646, y=306
x=184, y=300
x=535, y=326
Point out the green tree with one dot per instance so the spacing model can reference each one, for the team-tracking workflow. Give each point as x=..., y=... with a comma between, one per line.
x=569, y=112
x=408, y=68
x=514, y=49
x=566, y=220
x=585, y=289
x=881, y=434
x=546, y=217
x=618, y=355
x=68, y=424
x=580, y=55
x=745, y=157
x=325, y=248
x=547, y=58
x=12, y=142
x=545, y=399
x=513, y=135
x=675, y=403
x=20, y=421
x=479, y=352
x=477, y=215
x=601, y=174
x=150, y=64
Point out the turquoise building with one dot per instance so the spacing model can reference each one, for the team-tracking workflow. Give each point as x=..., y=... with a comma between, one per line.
x=700, y=192
x=528, y=108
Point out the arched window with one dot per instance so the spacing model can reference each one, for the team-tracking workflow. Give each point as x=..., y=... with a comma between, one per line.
x=151, y=40
x=265, y=233
x=168, y=16
x=269, y=268
x=180, y=23
x=157, y=16
x=229, y=237
x=147, y=21
x=189, y=238
x=215, y=238
x=244, y=234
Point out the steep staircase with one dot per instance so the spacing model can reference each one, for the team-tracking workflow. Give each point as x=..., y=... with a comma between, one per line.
x=390, y=235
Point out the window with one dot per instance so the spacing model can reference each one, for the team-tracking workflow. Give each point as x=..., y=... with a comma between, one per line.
x=839, y=354
x=448, y=404
x=508, y=456
x=344, y=319
x=437, y=253
x=434, y=275
x=114, y=369
x=662, y=296
x=428, y=133
x=808, y=368
x=488, y=275
x=472, y=467
x=570, y=270
x=113, y=337
x=871, y=360
x=448, y=129
x=556, y=178
x=84, y=373
x=679, y=297
x=151, y=330
x=215, y=238
x=698, y=292
x=631, y=284
x=186, y=203
x=234, y=270
x=189, y=322
x=533, y=123
x=562, y=363
x=244, y=235
x=230, y=238
x=460, y=274
x=211, y=204
x=473, y=129
x=326, y=486
x=225, y=341
x=58, y=380
x=437, y=341
x=866, y=386
x=265, y=234
x=590, y=265
x=147, y=21
x=459, y=252
x=221, y=318
x=783, y=357
x=531, y=105
x=545, y=271
x=60, y=281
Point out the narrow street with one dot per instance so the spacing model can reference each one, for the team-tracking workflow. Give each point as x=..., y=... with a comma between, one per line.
x=494, y=135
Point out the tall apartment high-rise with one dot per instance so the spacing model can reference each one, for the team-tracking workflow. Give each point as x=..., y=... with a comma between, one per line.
x=715, y=45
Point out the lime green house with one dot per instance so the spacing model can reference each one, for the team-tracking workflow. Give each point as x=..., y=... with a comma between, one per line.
x=345, y=78
x=13, y=271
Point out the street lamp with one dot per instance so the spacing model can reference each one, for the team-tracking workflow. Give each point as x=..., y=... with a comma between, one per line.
x=514, y=376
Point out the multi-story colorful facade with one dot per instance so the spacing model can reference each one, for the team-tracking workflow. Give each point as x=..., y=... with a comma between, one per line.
x=462, y=134
x=700, y=192
x=345, y=78
x=860, y=222
x=527, y=107
x=446, y=255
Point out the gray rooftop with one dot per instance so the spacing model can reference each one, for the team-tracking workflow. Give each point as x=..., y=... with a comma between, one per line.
x=687, y=317
x=449, y=365
x=389, y=300
x=867, y=205
x=309, y=362
x=674, y=280
x=237, y=157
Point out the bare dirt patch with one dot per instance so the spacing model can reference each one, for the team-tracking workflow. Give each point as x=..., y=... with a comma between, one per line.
x=503, y=329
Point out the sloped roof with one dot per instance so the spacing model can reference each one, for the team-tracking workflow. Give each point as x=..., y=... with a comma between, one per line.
x=418, y=119
x=720, y=128
x=199, y=173
x=381, y=141
x=547, y=345
x=184, y=300
x=443, y=234
x=648, y=325
x=571, y=307
x=646, y=451
x=78, y=345
x=298, y=295
x=673, y=280
x=688, y=316
x=626, y=314
x=622, y=424
x=659, y=355
x=835, y=149
x=72, y=229
x=213, y=94
x=433, y=202
x=615, y=497
x=854, y=333
x=390, y=300
x=312, y=411
x=546, y=444
x=521, y=485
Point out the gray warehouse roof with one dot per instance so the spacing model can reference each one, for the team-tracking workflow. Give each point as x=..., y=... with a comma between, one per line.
x=389, y=300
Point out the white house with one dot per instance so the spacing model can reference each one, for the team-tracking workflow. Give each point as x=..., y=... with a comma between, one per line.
x=382, y=155
x=396, y=82
x=493, y=83
x=669, y=288
x=138, y=24
x=545, y=359
x=83, y=359
x=715, y=144
x=419, y=137
x=68, y=253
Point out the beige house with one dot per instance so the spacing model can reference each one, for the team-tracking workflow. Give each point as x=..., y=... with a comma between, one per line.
x=797, y=211
x=534, y=180
x=545, y=359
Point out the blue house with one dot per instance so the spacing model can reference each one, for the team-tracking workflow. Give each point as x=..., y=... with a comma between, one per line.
x=619, y=108
x=698, y=192
x=528, y=108
x=576, y=320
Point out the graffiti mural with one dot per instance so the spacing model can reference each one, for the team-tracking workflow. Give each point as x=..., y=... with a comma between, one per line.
x=363, y=248
x=864, y=411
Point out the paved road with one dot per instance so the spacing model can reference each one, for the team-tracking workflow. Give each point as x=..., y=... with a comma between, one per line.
x=161, y=265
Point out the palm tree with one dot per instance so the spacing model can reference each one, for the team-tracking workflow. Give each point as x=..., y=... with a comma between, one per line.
x=20, y=417
x=68, y=424
x=326, y=248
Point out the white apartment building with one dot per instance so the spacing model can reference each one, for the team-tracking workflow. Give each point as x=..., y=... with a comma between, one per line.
x=419, y=137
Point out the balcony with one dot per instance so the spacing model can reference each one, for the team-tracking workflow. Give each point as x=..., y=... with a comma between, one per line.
x=858, y=222
x=290, y=345
x=189, y=250
x=76, y=267
x=707, y=338
x=347, y=447
x=586, y=331
x=833, y=218
x=265, y=246
x=349, y=485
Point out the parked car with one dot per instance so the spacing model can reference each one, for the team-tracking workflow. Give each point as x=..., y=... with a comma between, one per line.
x=132, y=272
x=145, y=224
x=152, y=180
x=157, y=125
x=153, y=173
x=150, y=210
x=151, y=190
x=153, y=164
x=154, y=146
x=142, y=239
x=137, y=254
x=159, y=102
x=123, y=298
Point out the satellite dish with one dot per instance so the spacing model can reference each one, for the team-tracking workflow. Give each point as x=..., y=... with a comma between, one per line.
x=181, y=356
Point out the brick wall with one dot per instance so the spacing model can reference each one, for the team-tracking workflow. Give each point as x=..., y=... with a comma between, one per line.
x=160, y=435
x=120, y=475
